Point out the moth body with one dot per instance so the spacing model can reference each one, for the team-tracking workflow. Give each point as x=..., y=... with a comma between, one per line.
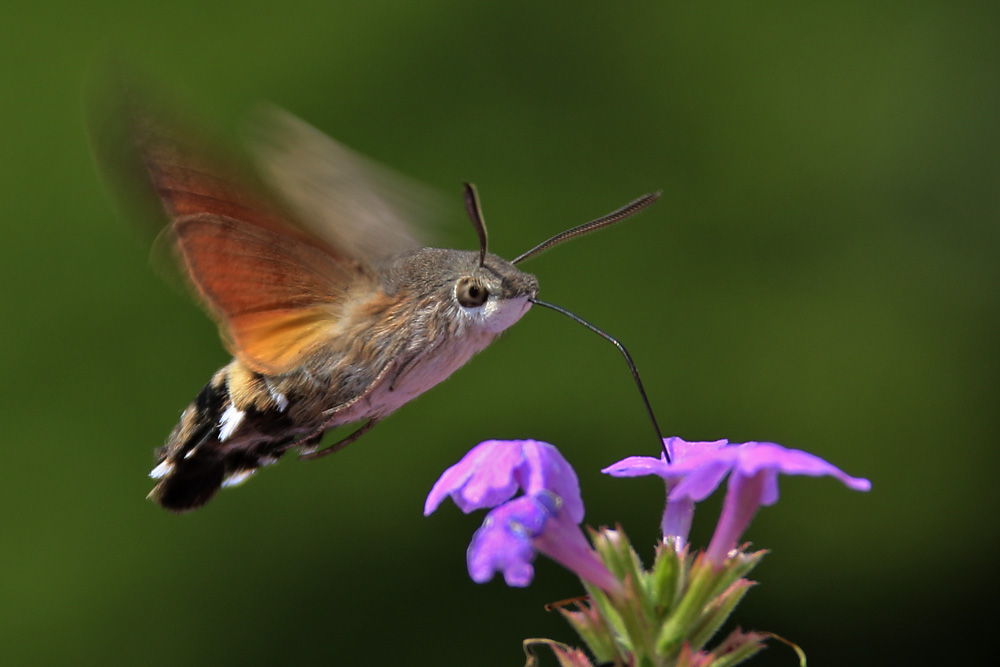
x=410, y=333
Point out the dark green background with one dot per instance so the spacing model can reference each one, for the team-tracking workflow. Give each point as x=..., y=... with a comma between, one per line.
x=821, y=271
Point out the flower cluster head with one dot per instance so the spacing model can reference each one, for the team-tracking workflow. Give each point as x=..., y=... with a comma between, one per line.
x=665, y=614
x=697, y=469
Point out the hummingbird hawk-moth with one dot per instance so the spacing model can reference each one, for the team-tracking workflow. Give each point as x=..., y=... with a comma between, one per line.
x=333, y=311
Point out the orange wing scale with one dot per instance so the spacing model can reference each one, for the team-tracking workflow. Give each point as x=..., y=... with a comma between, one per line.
x=275, y=296
x=275, y=289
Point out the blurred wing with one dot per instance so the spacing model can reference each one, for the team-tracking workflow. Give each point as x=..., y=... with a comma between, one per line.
x=348, y=200
x=276, y=289
x=276, y=297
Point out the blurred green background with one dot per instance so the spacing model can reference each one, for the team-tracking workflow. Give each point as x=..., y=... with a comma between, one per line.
x=821, y=271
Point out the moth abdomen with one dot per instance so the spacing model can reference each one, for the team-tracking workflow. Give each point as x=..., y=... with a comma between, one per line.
x=216, y=444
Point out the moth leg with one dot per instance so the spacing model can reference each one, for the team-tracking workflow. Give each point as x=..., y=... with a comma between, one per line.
x=307, y=445
x=337, y=446
x=405, y=366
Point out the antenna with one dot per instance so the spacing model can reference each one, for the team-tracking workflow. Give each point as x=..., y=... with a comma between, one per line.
x=628, y=360
x=475, y=212
x=611, y=218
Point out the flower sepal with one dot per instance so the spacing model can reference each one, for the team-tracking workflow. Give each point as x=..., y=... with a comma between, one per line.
x=735, y=649
x=636, y=608
x=591, y=622
x=667, y=614
x=708, y=595
x=668, y=573
x=566, y=655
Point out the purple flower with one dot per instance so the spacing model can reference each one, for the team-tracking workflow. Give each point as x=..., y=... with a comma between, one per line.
x=699, y=467
x=492, y=471
x=679, y=511
x=546, y=518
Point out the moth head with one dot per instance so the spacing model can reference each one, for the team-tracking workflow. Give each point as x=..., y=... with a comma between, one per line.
x=450, y=284
x=493, y=295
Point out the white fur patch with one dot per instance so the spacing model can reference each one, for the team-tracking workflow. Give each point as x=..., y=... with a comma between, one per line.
x=229, y=422
x=279, y=399
x=162, y=470
x=237, y=478
x=498, y=314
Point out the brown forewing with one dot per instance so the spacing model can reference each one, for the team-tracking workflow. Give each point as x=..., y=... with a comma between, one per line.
x=275, y=289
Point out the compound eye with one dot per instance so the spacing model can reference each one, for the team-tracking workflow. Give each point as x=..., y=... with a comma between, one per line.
x=470, y=293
